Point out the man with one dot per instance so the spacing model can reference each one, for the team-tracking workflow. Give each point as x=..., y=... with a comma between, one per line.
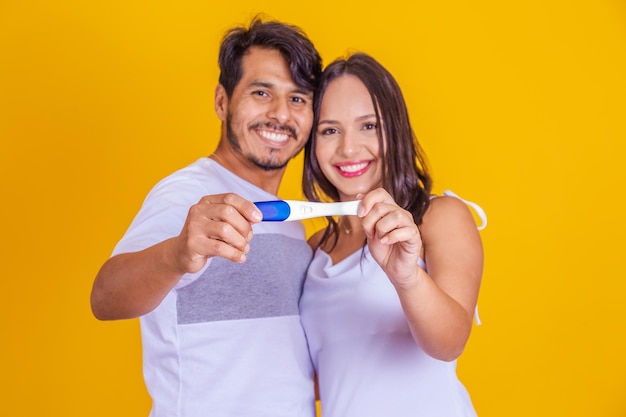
x=218, y=307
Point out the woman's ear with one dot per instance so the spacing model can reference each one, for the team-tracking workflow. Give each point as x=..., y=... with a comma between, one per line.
x=221, y=102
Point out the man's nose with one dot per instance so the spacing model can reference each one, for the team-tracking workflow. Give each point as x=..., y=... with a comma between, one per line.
x=280, y=111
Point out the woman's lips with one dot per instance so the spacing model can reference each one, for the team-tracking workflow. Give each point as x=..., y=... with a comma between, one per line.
x=353, y=169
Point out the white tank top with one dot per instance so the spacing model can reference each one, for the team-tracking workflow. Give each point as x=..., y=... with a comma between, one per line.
x=367, y=362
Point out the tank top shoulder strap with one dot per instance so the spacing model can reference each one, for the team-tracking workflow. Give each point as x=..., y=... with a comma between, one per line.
x=479, y=211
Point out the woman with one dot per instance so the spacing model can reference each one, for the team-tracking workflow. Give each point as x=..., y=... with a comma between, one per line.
x=390, y=294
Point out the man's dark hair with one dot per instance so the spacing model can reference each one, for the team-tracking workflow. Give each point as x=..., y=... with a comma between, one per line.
x=304, y=61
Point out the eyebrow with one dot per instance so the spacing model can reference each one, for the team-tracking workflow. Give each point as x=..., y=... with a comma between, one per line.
x=358, y=119
x=259, y=84
x=264, y=84
x=367, y=116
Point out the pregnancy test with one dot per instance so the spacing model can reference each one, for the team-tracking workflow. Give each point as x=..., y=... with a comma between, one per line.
x=287, y=210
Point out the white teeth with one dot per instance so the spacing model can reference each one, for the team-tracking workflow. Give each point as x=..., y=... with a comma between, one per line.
x=353, y=168
x=274, y=137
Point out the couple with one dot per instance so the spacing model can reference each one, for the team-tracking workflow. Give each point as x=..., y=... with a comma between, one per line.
x=237, y=315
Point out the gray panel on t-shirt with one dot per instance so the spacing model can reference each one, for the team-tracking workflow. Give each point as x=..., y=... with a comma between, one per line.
x=268, y=284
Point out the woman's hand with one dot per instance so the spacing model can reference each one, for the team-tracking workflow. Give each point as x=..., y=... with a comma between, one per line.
x=393, y=238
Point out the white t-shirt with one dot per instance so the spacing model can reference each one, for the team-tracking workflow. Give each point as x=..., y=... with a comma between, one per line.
x=227, y=341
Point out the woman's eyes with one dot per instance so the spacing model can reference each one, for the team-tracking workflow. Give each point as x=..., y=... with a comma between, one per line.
x=332, y=131
x=328, y=131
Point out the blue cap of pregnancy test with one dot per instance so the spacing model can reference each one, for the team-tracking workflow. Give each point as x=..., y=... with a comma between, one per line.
x=274, y=211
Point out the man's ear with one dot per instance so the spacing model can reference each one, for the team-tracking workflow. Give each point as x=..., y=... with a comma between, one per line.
x=221, y=102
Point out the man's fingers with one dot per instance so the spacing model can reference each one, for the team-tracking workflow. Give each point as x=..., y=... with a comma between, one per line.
x=244, y=207
x=217, y=247
x=220, y=225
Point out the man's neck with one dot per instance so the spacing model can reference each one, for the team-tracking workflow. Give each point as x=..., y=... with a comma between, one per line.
x=268, y=181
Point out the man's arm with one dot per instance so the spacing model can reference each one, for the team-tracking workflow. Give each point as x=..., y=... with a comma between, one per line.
x=132, y=284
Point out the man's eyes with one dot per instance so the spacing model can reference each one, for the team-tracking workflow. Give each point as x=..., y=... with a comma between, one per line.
x=295, y=99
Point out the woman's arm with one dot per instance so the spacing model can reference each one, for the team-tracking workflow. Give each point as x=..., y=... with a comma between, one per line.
x=439, y=305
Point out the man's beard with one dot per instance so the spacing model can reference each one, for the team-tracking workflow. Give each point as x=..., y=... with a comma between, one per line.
x=268, y=164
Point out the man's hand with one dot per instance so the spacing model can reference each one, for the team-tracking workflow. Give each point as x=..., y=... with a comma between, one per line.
x=218, y=225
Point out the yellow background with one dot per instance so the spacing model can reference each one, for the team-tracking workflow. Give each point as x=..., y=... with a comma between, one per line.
x=520, y=106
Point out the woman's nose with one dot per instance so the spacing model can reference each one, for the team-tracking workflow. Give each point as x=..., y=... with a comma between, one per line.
x=349, y=144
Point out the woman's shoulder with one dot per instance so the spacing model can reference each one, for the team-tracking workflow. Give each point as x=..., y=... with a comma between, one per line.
x=447, y=213
x=441, y=205
x=452, y=204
